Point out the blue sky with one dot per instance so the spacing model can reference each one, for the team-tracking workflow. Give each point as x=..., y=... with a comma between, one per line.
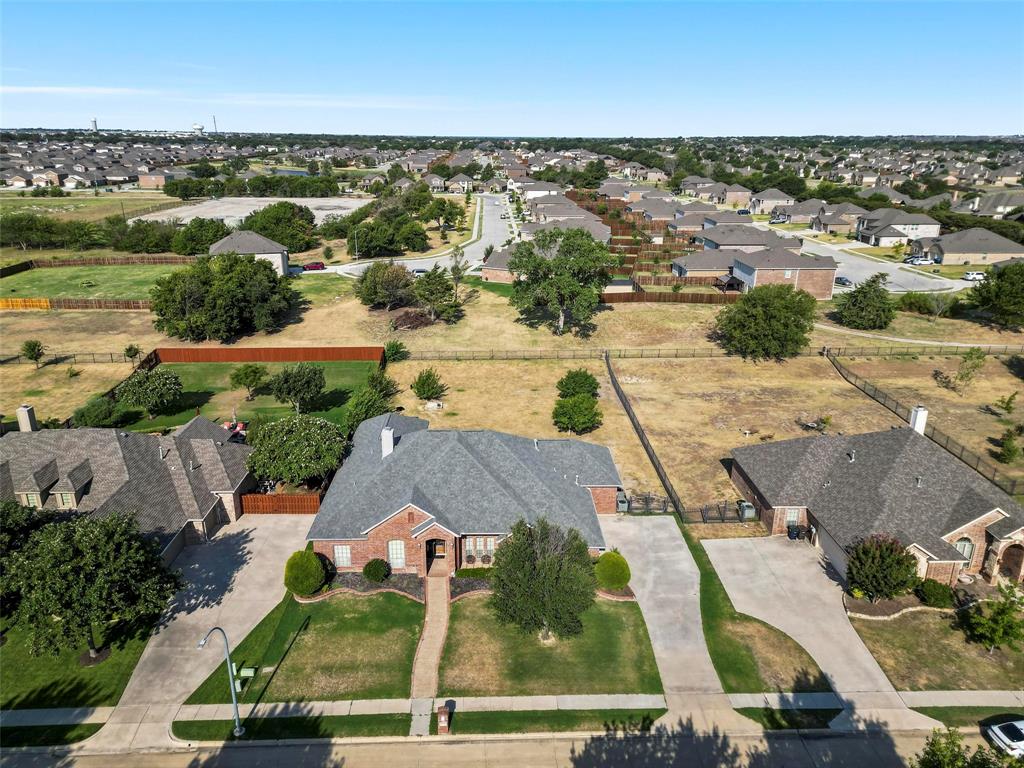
x=535, y=69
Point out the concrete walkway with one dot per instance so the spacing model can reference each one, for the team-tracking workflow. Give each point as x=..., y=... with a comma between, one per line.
x=428, y=652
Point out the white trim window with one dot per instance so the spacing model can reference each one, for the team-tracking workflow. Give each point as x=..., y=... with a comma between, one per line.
x=490, y=546
x=342, y=555
x=32, y=500
x=479, y=551
x=965, y=547
x=792, y=516
x=396, y=553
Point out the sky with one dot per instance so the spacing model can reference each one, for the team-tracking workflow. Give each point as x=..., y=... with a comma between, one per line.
x=517, y=69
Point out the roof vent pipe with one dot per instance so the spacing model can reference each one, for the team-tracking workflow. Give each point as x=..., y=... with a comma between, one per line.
x=853, y=455
x=917, y=480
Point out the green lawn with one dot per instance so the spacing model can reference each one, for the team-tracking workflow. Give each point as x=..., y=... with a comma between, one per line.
x=547, y=721
x=346, y=647
x=484, y=658
x=46, y=735
x=501, y=289
x=968, y=717
x=322, y=289
x=787, y=719
x=39, y=682
x=329, y=727
x=206, y=386
x=86, y=206
x=749, y=655
x=128, y=281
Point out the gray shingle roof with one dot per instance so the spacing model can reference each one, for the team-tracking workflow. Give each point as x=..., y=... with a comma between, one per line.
x=878, y=491
x=783, y=258
x=976, y=240
x=245, y=242
x=470, y=481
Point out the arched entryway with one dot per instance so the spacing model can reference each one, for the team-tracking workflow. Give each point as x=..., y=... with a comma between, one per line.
x=1011, y=563
x=439, y=557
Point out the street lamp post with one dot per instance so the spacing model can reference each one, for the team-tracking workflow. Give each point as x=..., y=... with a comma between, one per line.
x=239, y=730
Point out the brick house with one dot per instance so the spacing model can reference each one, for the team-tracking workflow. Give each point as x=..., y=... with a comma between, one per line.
x=435, y=500
x=771, y=266
x=181, y=488
x=895, y=482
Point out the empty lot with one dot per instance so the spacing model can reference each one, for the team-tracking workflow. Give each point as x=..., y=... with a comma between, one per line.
x=51, y=391
x=240, y=207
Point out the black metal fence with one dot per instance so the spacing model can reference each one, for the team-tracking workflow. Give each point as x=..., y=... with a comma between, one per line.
x=714, y=512
x=972, y=459
x=649, y=504
x=75, y=358
x=917, y=350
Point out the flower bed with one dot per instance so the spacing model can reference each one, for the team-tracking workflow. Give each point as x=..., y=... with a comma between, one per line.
x=406, y=583
x=462, y=586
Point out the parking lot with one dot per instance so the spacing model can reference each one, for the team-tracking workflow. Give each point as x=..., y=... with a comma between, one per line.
x=233, y=209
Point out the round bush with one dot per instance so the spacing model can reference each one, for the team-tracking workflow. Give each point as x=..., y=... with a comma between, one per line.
x=935, y=594
x=303, y=573
x=377, y=570
x=612, y=571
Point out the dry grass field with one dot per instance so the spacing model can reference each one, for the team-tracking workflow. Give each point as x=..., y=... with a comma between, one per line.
x=518, y=397
x=51, y=391
x=971, y=418
x=909, y=325
x=86, y=206
x=695, y=411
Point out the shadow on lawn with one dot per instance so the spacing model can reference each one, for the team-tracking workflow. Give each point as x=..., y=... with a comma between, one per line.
x=58, y=694
x=209, y=571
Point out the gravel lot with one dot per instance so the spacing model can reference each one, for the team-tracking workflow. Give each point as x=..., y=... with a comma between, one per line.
x=237, y=208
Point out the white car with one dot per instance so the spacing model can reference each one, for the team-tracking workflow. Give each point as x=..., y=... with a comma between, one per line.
x=1008, y=737
x=974, y=276
x=921, y=262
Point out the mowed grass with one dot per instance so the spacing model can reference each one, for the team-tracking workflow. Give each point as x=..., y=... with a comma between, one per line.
x=125, y=281
x=51, y=391
x=345, y=647
x=518, y=397
x=971, y=418
x=551, y=721
x=328, y=727
x=485, y=658
x=40, y=682
x=925, y=651
x=86, y=206
x=46, y=735
x=207, y=386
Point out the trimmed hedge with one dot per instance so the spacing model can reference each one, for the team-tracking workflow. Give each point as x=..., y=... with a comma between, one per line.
x=376, y=570
x=612, y=571
x=304, y=573
x=935, y=594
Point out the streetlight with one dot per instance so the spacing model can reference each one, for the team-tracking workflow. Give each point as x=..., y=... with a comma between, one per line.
x=239, y=730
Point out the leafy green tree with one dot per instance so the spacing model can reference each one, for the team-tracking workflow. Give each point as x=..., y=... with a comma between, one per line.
x=578, y=381
x=881, y=567
x=561, y=272
x=153, y=391
x=578, y=414
x=458, y=268
x=17, y=524
x=999, y=623
x=970, y=366
x=85, y=573
x=1001, y=294
x=198, y=235
x=365, y=404
x=204, y=169
x=379, y=381
x=249, y=375
x=221, y=297
x=395, y=352
x=434, y=291
x=97, y=412
x=300, y=384
x=385, y=285
x=543, y=579
x=304, y=573
x=33, y=350
x=132, y=351
x=868, y=306
x=946, y=749
x=1009, y=449
x=291, y=225
x=428, y=385
x=768, y=322
x=295, y=449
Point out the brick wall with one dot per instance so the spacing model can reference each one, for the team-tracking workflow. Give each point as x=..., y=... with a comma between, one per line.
x=605, y=500
x=495, y=275
x=944, y=573
x=817, y=282
x=975, y=531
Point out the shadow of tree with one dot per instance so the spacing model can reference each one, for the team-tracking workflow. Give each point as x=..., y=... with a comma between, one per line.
x=1015, y=365
x=63, y=693
x=209, y=571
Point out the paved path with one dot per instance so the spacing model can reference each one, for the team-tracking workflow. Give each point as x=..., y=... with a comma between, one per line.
x=783, y=583
x=901, y=340
x=233, y=582
x=428, y=653
x=667, y=587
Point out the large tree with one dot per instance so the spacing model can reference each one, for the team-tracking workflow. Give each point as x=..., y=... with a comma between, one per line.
x=153, y=391
x=295, y=449
x=196, y=237
x=221, y=297
x=768, y=322
x=867, y=307
x=17, y=524
x=384, y=284
x=561, y=272
x=81, y=575
x=435, y=291
x=543, y=579
x=300, y=384
x=1001, y=294
x=285, y=222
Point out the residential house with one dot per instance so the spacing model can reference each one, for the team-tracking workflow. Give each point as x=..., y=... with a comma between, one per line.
x=995, y=205
x=686, y=225
x=762, y=202
x=435, y=182
x=249, y=243
x=430, y=501
x=771, y=266
x=48, y=178
x=180, y=488
x=886, y=227
x=896, y=482
x=403, y=184
x=798, y=213
x=654, y=175
x=968, y=246
x=725, y=217
x=369, y=181
x=743, y=237
x=460, y=183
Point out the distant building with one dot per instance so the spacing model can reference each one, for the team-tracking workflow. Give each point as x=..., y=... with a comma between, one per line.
x=249, y=243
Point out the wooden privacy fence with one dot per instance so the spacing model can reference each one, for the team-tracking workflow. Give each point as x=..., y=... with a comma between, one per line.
x=667, y=297
x=47, y=304
x=111, y=261
x=34, y=304
x=280, y=503
x=269, y=354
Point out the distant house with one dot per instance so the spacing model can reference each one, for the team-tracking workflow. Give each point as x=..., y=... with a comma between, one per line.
x=995, y=205
x=492, y=185
x=180, y=488
x=896, y=483
x=460, y=183
x=654, y=175
x=968, y=246
x=48, y=178
x=435, y=182
x=403, y=183
x=832, y=223
x=725, y=217
x=248, y=243
x=430, y=501
x=886, y=227
x=18, y=179
x=369, y=181
x=798, y=213
x=744, y=270
x=743, y=237
x=762, y=202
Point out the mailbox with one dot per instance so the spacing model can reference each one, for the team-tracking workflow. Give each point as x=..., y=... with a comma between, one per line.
x=442, y=720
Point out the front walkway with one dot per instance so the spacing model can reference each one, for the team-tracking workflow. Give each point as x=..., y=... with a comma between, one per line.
x=428, y=653
x=784, y=583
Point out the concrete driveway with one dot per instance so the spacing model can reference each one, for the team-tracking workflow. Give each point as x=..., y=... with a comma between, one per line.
x=233, y=582
x=859, y=268
x=784, y=583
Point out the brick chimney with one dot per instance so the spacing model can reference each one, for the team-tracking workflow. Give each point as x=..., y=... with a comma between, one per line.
x=27, y=418
x=387, y=442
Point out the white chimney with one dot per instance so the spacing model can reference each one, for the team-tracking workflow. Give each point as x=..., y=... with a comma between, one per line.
x=387, y=442
x=26, y=418
x=918, y=418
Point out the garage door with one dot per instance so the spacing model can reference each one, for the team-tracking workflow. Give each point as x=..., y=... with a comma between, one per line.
x=833, y=552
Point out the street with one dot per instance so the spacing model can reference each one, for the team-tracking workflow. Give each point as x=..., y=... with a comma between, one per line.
x=860, y=268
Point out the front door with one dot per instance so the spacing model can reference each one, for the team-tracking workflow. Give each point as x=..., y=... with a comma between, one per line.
x=437, y=552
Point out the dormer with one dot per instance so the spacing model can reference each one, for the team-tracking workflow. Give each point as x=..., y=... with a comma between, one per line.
x=34, y=489
x=70, y=488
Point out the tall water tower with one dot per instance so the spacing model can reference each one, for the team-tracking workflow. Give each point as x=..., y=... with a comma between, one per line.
x=95, y=129
x=197, y=129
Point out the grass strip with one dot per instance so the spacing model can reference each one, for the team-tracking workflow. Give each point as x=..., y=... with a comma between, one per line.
x=267, y=728
x=959, y=717
x=551, y=721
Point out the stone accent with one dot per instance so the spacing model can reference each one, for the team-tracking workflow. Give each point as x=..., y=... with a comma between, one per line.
x=489, y=275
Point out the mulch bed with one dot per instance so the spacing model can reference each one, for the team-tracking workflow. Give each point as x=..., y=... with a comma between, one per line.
x=406, y=583
x=460, y=586
x=617, y=594
x=964, y=595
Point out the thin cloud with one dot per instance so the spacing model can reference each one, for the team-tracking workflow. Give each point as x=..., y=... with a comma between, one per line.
x=73, y=90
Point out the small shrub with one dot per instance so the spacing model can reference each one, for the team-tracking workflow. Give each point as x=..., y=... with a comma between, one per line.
x=395, y=352
x=376, y=570
x=132, y=351
x=303, y=573
x=73, y=373
x=612, y=571
x=428, y=385
x=97, y=412
x=578, y=381
x=935, y=594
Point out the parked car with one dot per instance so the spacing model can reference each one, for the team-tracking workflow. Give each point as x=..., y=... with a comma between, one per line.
x=844, y=282
x=420, y=272
x=1008, y=737
x=776, y=221
x=921, y=261
x=313, y=266
x=743, y=212
x=974, y=276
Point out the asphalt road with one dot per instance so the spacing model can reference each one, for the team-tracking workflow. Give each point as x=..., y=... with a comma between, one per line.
x=860, y=268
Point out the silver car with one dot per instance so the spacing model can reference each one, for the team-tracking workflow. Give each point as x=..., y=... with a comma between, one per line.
x=1008, y=737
